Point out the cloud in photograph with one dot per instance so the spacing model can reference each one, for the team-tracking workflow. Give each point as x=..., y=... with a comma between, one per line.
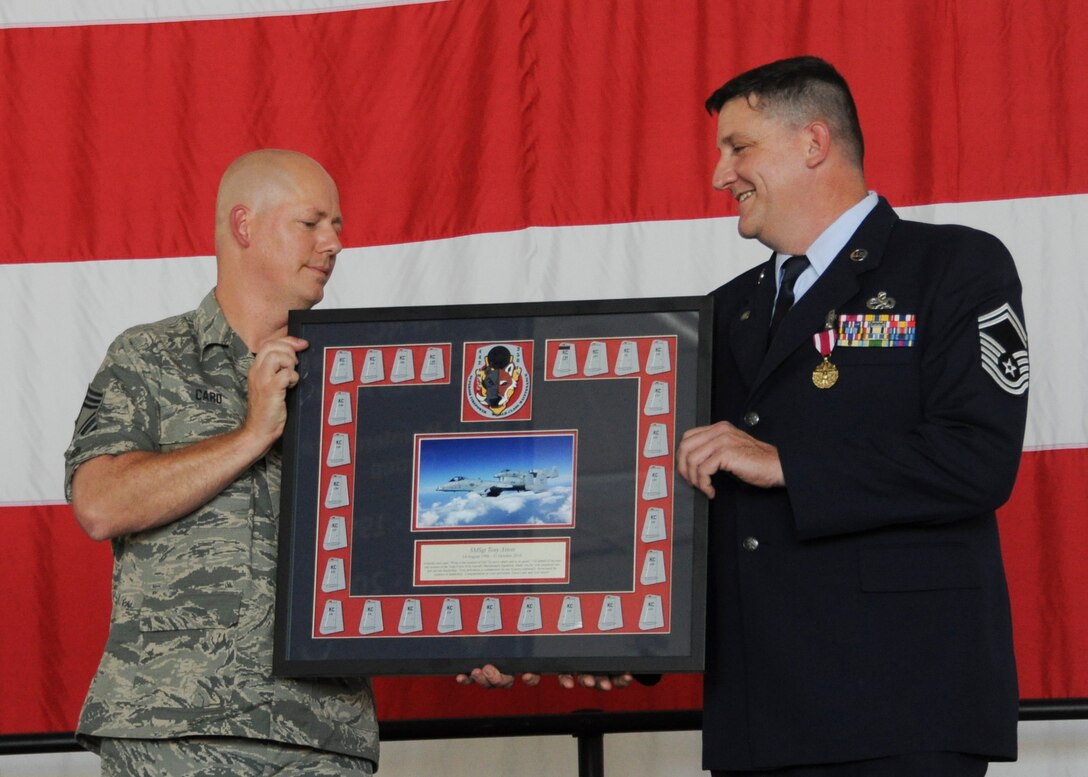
x=552, y=507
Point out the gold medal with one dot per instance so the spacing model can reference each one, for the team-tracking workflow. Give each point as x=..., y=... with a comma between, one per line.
x=825, y=374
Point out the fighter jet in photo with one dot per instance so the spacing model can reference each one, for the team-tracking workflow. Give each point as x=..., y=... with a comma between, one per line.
x=504, y=480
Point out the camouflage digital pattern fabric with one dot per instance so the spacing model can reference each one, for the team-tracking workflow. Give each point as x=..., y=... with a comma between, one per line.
x=224, y=757
x=190, y=644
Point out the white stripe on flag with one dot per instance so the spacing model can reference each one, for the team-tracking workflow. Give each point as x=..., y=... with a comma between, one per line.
x=59, y=318
x=36, y=13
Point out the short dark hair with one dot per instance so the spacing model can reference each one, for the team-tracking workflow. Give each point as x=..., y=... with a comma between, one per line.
x=800, y=89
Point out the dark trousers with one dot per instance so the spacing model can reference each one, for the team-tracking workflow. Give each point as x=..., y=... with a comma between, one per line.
x=912, y=765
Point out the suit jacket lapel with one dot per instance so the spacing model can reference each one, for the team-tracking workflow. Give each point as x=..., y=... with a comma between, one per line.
x=863, y=252
x=748, y=330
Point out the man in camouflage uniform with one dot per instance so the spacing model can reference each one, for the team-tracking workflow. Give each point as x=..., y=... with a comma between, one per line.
x=175, y=460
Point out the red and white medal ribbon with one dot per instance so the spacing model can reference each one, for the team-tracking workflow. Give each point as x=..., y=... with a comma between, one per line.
x=825, y=342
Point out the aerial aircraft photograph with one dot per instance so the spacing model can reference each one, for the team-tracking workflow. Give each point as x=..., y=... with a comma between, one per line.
x=491, y=480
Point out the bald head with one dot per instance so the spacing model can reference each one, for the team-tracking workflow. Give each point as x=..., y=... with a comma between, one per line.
x=259, y=180
x=277, y=227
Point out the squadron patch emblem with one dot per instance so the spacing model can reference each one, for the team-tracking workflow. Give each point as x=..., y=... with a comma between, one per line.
x=1004, y=349
x=498, y=384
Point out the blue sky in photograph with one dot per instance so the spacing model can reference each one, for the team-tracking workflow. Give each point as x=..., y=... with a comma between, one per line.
x=482, y=458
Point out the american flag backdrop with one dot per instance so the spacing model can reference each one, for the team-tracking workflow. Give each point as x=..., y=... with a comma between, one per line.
x=500, y=151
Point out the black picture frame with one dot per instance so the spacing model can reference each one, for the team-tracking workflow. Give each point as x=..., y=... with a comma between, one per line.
x=494, y=484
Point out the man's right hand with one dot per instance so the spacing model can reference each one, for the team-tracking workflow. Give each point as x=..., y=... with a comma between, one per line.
x=722, y=447
x=140, y=490
x=272, y=373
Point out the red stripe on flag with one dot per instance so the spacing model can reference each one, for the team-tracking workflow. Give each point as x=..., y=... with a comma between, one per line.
x=1045, y=543
x=467, y=117
x=55, y=610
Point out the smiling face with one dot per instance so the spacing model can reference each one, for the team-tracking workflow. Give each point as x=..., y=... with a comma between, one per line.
x=295, y=229
x=763, y=165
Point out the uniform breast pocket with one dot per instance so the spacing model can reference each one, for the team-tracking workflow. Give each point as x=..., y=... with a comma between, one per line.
x=876, y=391
x=895, y=357
x=193, y=420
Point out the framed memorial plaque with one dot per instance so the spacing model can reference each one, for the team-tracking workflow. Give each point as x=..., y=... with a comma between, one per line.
x=494, y=484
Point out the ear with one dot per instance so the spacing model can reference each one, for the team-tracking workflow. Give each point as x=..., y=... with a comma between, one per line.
x=240, y=225
x=817, y=143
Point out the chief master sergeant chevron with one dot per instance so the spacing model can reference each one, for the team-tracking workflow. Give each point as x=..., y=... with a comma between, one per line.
x=175, y=460
x=868, y=423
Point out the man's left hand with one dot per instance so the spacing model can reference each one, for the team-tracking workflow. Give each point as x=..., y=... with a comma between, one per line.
x=489, y=676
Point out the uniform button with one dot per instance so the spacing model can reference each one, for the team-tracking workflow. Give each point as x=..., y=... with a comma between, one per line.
x=750, y=543
x=751, y=418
